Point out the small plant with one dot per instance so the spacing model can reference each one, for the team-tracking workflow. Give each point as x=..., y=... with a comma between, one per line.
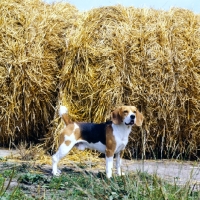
x=7, y=173
x=2, y=159
x=23, y=168
x=28, y=151
x=5, y=186
x=32, y=178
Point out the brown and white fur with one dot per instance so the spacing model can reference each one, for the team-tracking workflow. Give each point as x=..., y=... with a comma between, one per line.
x=108, y=138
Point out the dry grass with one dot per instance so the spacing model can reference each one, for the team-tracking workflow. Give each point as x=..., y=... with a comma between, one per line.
x=37, y=155
x=91, y=62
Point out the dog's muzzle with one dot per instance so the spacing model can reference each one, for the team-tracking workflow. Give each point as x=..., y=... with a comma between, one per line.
x=132, y=118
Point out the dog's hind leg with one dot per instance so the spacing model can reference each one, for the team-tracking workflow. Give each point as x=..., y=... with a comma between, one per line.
x=68, y=138
x=62, y=152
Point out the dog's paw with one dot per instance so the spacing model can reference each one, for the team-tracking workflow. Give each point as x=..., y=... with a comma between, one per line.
x=120, y=173
x=109, y=176
x=57, y=173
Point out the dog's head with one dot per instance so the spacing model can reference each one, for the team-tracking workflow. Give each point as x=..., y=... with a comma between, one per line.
x=129, y=115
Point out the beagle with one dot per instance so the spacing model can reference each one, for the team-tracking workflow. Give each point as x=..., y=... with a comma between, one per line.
x=109, y=138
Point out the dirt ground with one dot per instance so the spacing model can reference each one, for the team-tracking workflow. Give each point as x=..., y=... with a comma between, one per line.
x=179, y=172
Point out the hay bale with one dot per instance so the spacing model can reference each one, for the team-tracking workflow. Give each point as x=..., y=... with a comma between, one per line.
x=169, y=81
x=32, y=51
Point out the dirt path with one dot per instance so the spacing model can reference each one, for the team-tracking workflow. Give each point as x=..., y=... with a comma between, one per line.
x=172, y=171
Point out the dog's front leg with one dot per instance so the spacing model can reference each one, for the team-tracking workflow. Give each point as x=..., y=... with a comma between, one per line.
x=109, y=166
x=118, y=163
x=110, y=150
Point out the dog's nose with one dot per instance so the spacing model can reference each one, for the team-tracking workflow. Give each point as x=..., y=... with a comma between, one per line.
x=132, y=116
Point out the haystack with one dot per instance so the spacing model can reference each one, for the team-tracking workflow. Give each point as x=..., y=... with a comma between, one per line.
x=169, y=80
x=33, y=47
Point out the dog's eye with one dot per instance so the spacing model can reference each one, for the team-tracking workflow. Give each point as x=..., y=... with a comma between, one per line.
x=125, y=111
x=134, y=111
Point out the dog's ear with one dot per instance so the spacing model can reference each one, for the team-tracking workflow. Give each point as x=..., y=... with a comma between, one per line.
x=116, y=118
x=139, y=118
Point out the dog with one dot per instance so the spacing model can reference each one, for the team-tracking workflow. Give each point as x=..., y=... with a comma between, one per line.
x=109, y=138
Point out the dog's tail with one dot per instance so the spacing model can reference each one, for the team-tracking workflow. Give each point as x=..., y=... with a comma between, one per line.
x=63, y=112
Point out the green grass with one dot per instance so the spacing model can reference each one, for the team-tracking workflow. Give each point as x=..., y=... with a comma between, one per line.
x=31, y=183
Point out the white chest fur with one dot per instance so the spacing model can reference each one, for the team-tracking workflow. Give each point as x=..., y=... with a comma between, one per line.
x=121, y=133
